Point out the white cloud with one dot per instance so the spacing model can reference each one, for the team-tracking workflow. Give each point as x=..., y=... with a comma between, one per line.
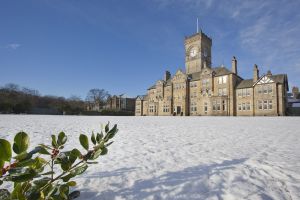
x=13, y=46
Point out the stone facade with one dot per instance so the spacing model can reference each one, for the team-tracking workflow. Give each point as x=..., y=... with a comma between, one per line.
x=203, y=90
x=121, y=102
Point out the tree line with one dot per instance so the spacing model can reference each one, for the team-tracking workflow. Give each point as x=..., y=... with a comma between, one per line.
x=17, y=99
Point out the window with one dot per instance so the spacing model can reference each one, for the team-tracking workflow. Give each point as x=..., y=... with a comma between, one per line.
x=193, y=106
x=244, y=106
x=193, y=95
x=222, y=91
x=260, y=89
x=205, y=107
x=265, y=89
x=270, y=106
x=223, y=105
x=222, y=79
x=166, y=108
x=265, y=104
x=248, y=91
x=260, y=107
x=214, y=105
x=269, y=89
x=248, y=107
x=205, y=83
x=218, y=105
x=151, y=109
x=239, y=92
x=244, y=92
x=193, y=84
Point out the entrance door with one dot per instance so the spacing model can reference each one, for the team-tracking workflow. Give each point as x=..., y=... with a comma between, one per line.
x=178, y=110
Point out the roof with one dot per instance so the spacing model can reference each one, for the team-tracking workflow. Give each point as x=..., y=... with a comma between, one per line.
x=279, y=78
x=220, y=71
x=142, y=97
x=152, y=87
x=245, y=84
x=194, y=76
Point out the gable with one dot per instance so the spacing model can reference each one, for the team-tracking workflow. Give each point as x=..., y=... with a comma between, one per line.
x=265, y=80
x=179, y=75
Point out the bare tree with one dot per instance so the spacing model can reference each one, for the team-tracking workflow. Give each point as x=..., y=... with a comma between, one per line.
x=96, y=98
x=12, y=87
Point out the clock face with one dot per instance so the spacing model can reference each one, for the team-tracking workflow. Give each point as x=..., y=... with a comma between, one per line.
x=193, y=52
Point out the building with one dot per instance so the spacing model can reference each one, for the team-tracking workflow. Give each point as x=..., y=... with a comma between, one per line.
x=120, y=103
x=213, y=91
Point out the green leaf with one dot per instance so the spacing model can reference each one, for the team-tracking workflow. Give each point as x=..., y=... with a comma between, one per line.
x=64, y=162
x=109, y=144
x=96, y=154
x=75, y=153
x=39, y=163
x=25, y=163
x=43, y=150
x=74, y=195
x=67, y=177
x=104, y=151
x=5, y=150
x=21, y=142
x=2, y=162
x=79, y=170
x=64, y=191
x=47, y=173
x=41, y=182
x=99, y=137
x=17, y=192
x=62, y=138
x=106, y=127
x=93, y=139
x=111, y=133
x=52, y=191
x=16, y=170
x=54, y=143
x=28, y=175
x=84, y=141
x=92, y=162
x=45, y=146
x=71, y=183
x=23, y=156
x=5, y=195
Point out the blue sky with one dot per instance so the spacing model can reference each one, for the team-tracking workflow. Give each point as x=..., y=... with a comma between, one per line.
x=66, y=47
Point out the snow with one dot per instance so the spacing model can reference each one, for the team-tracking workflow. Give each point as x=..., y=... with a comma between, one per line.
x=181, y=157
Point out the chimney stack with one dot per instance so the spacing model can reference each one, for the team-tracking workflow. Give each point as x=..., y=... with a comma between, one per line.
x=167, y=76
x=234, y=65
x=255, y=73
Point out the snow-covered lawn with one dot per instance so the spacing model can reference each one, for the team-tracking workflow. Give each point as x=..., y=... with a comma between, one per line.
x=181, y=157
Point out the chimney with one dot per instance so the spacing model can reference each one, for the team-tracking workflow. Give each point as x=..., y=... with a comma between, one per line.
x=255, y=73
x=269, y=73
x=167, y=76
x=234, y=65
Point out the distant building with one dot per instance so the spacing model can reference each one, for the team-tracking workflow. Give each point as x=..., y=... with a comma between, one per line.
x=205, y=90
x=295, y=93
x=120, y=102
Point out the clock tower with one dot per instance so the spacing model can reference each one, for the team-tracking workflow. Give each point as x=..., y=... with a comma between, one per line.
x=197, y=52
